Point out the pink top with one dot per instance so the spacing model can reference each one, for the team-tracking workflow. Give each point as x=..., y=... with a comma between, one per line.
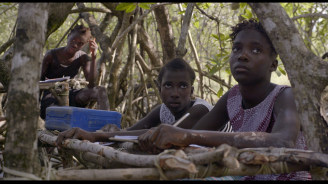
x=261, y=119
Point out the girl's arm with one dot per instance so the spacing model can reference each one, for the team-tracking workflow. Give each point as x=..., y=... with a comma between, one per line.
x=46, y=62
x=284, y=133
x=89, y=68
x=78, y=133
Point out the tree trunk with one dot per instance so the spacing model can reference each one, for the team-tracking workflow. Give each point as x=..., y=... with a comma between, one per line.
x=145, y=41
x=23, y=92
x=181, y=51
x=307, y=72
x=58, y=13
x=165, y=31
x=113, y=86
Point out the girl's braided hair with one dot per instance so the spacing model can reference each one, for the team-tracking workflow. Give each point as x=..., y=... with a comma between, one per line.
x=251, y=24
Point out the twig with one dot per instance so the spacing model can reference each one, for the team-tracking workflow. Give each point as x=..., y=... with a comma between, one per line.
x=8, y=8
x=144, y=83
x=310, y=15
x=134, y=23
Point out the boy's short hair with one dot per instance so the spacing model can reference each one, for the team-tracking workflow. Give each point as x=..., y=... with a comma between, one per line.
x=251, y=24
x=82, y=30
x=176, y=64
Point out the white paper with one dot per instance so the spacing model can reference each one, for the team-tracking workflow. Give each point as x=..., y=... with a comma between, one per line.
x=105, y=144
x=126, y=137
x=198, y=146
x=55, y=80
x=119, y=137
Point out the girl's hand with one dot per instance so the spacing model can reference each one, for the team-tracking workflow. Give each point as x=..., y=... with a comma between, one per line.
x=74, y=133
x=93, y=46
x=163, y=137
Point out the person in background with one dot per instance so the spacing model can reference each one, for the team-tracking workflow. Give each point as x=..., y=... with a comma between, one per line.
x=66, y=61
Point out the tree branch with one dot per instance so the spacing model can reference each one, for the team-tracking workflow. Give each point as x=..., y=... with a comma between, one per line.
x=103, y=10
x=215, y=78
x=7, y=44
x=134, y=23
x=181, y=51
x=311, y=15
x=8, y=8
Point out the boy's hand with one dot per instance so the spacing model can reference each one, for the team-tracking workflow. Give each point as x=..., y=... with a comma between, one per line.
x=74, y=133
x=93, y=46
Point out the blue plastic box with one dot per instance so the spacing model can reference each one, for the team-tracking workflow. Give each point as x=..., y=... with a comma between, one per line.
x=62, y=118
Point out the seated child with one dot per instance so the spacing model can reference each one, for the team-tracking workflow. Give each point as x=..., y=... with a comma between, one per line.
x=66, y=61
x=261, y=113
x=175, y=86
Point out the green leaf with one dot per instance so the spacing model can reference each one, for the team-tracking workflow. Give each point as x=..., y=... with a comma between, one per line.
x=249, y=13
x=123, y=6
x=278, y=73
x=220, y=92
x=215, y=36
x=144, y=5
x=242, y=5
x=282, y=70
x=131, y=8
x=246, y=16
x=228, y=71
x=196, y=24
x=206, y=5
x=213, y=70
x=222, y=37
x=221, y=54
x=181, y=12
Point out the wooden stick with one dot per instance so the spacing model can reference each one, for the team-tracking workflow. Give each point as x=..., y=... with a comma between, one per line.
x=239, y=161
x=153, y=174
x=125, y=158
x=181, y=119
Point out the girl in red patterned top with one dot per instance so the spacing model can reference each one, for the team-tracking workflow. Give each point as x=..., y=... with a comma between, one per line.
x=261, y=113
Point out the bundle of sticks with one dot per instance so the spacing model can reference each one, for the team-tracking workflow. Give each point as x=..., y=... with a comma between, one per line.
x=132, y=164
